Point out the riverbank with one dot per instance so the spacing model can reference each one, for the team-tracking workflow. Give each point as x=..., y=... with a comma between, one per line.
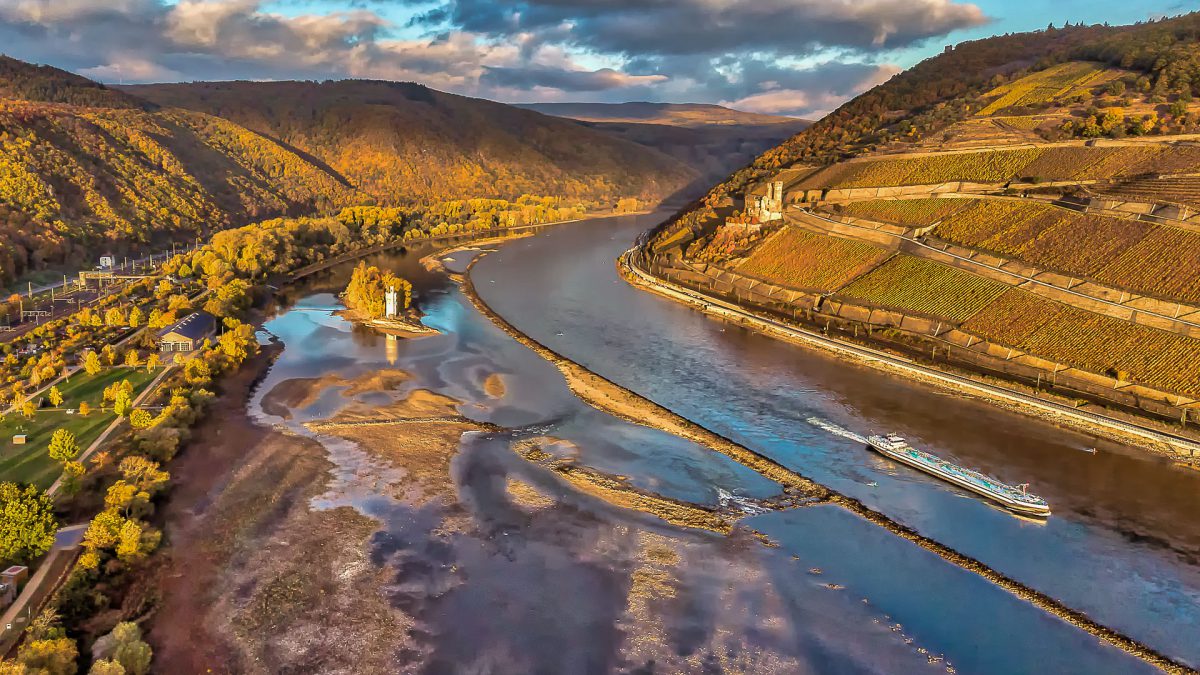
x=1185, y=451
x=616, y=400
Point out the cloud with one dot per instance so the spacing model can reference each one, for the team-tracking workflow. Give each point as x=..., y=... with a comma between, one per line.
x=683, y=27
x=565, y=80
x=742, y=52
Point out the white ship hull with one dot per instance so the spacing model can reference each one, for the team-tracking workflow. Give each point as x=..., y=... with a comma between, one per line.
x=1017, y=506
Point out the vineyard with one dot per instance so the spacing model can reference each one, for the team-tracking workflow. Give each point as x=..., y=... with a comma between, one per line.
x=908, y=212
x=1091, y=342
x=1043, y=235
x=1056, y=163
x=802, y=259
x=1045, y=86
x=981, y=167
x=1183, y=190
x=1166, y=263
x=925, y=287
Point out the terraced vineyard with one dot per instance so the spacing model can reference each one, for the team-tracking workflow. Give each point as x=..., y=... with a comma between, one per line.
x=1056, y=163
x=983, y=167
x=1166, y=263
x=924, y=287
x=1091, y=342
x=1045, y=86
x=908, y=212
x=1183, y=190
x=805, y=260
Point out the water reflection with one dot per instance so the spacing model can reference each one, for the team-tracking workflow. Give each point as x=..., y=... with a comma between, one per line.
x=580, y=585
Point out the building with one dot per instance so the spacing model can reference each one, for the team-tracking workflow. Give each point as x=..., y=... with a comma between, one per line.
x=392, y=302
x=108, y=261
x=765, y=202
x=10, y=581
x=188, y=334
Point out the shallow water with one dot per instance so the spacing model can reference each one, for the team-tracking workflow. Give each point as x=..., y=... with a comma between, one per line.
x=584, y=586
x=1123, y=543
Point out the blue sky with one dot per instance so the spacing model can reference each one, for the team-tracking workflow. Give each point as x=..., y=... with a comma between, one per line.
x=798, y=57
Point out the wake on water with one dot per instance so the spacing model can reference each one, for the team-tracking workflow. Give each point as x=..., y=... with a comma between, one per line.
x=835, y=429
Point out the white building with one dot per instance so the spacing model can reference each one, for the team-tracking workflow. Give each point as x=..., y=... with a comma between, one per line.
x=391, y=300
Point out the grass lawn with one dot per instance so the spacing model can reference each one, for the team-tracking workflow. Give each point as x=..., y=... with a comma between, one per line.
x=31, y=463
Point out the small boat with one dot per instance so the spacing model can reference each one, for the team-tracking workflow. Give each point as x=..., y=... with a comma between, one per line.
x=1016, y=498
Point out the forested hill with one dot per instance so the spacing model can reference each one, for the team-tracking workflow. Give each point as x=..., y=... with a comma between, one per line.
x=86, y=167
x=403, y=141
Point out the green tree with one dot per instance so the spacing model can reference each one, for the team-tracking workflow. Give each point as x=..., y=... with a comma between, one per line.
x=126, y=647
x=27, y=524
x=63, y=446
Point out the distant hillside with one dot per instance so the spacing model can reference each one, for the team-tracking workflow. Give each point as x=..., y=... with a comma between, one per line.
x=711, y=139
x=671, y=114
x=47, y=84
x=403, y=142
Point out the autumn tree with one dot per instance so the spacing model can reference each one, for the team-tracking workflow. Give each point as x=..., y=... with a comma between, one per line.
x=91, y=363
x=27, y=523
x=56, y=397
x=84, y=408
x=63, y=446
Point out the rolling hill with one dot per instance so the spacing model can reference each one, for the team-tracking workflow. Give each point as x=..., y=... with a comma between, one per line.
x=86, y=166
x=711, y=139
x=669, y=114
x=405, y=143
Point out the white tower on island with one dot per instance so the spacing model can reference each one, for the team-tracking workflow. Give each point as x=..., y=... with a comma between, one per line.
x=391, y=302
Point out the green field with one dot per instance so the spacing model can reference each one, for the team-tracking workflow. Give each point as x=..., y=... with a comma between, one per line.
x=30, y=463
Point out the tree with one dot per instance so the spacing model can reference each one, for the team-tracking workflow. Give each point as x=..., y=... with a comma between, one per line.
x=63, y=446
x=56, y=397
x=109, y=355
x=122, y=403
x=135, y=317
x=152, y=362
x=91, y=363
x=54, y=656
x=132, y=359
x=125, y=648
x=72, y=472
x=27, y=524
x=106, y=667
x=28, y=409
x=141, y=419
x=84, y=408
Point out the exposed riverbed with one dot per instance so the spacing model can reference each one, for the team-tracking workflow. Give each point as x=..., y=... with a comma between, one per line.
x=477, y=516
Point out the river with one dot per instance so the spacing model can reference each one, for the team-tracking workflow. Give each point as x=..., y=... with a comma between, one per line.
x=1123, y=544
x=583, y=585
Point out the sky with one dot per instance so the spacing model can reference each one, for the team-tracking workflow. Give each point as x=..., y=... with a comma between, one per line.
x=788, y=57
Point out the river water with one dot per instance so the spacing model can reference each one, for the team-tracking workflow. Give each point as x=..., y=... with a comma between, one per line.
x=586, y=586
x=1123, y=544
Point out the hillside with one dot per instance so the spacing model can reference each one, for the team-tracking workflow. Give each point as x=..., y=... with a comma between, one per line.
x=711, y=139
x=85, y=167
x=1024, y=206
x=405, y=143
x=669, y=114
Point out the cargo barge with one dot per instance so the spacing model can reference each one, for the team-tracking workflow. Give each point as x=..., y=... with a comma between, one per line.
x=1014, y=498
